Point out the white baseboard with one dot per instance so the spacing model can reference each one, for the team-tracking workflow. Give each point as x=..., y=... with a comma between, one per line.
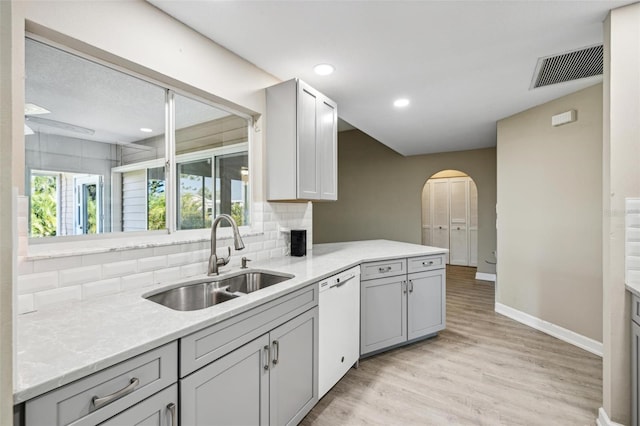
x=485, y=277
x=561, y=333
x=604, y=420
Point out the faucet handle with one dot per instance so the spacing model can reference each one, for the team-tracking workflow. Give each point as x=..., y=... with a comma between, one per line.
x=224, y=260
x=244, y=263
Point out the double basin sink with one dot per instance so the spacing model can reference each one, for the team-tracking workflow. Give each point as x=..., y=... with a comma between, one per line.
x=210, y=291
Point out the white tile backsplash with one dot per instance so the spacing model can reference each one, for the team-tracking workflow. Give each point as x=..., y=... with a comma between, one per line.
x=100, y=288
x=119, y=269
x=69, y=277
x=44, y=282
x=35, y=283
x=57, y=296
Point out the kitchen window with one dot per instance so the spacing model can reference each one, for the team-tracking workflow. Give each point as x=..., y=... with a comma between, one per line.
x=126, y=154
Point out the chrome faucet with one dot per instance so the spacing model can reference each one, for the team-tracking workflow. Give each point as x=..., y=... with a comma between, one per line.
x=214, y=262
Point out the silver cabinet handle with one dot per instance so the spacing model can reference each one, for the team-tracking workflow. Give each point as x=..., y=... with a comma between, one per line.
x=341, y=283
x=104, y=400
x=276, y=352
x=404, y=287
x=267, y=355
x=429, y=263
x=410, y=286
x=385, y=269
x=172, y=410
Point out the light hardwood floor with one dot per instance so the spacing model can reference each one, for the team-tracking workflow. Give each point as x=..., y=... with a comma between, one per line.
x=484, y=369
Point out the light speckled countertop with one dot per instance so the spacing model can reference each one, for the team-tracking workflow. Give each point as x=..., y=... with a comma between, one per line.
x=58, y=346
x=634, y=288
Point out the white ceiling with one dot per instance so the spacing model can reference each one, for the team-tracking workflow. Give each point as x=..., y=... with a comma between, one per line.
x=463, y=64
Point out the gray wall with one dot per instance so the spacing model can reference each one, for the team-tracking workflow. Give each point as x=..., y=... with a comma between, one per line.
x=379, y=193
x=550, y=213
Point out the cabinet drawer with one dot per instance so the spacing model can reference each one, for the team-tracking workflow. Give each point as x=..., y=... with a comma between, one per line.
x=127, y=383
x=160, y=409
x=635, y=308
x=384, y=268
x=426, y=263
x=207, y=345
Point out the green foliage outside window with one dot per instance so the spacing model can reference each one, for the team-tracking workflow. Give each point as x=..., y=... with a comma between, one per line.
x=43, y=206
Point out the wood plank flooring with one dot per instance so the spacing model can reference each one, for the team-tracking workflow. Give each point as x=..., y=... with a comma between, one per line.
x=484, y=369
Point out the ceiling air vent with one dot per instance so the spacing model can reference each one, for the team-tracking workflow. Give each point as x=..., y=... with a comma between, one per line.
x=574, y=65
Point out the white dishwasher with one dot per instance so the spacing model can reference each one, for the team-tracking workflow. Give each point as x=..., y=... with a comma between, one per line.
x=339, y=327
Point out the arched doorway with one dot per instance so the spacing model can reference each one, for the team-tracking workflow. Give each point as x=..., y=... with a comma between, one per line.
x=450, y=216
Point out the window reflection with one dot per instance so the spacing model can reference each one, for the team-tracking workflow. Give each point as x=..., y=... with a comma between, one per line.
x=95, y=151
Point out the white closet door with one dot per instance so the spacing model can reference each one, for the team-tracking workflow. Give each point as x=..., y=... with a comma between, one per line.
x=473, y=223
x=459, y=243
x=426, y=214
x=440, y=227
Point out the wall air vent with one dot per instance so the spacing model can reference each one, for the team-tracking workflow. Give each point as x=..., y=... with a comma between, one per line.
x=574, y=65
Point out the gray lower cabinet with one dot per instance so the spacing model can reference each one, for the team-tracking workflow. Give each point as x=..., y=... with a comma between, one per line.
x=404, y=307
x=160, y=409
x=383, y=312
x=271, y=380
x=426, y=303
x=635, y=362
x=123, y=388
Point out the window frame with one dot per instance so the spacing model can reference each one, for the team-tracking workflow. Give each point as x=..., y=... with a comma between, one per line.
x=169, y=161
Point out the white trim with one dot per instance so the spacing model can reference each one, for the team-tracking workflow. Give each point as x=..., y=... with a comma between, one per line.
x=604, y=420
x=561, y=333
x=485, y=277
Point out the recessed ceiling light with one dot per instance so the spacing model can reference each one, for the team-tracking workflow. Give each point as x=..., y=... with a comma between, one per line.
x=323, y=69
x=401, y=103
x=146, y=129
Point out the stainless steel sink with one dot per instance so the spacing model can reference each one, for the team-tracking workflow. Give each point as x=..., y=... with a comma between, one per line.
x=210, y=291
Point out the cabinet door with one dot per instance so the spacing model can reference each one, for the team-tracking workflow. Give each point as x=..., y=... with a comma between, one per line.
x=230, y=391
x=293, y=389
x=440, y=227
x=426, y=213
x=459, y=244
x=635, y=374
x=308, y=171
x=160, y=409
x=383, y=308
x=473, y=224
x=426, y=310
x=327, y=136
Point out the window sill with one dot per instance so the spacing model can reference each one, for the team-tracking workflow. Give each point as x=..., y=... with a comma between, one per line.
x=129, y=241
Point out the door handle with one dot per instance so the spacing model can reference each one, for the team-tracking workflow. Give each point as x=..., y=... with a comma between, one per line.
x=385, y=269
x=276, y=351
x=341, y=283
x=266, y=354
x=404, y=287
x=410, y=286
x=172, y=411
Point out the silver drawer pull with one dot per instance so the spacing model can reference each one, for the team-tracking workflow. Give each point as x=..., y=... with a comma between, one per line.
x=172, y=411
x=385, y=269
x=276, y=352
x=99, y=402
x=429, y=263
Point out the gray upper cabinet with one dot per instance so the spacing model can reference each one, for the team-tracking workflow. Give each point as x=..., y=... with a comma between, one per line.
x=301, y=143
